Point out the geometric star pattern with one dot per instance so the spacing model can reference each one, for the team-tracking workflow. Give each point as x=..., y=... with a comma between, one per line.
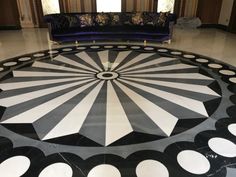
x=107, y=97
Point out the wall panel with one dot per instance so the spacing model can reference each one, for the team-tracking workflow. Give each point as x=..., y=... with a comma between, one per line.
x=9, y=15
x=209, y=11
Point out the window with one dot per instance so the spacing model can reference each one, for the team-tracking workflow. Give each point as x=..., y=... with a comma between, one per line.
x=108, y=5
x=50, y=6
x=165, y=6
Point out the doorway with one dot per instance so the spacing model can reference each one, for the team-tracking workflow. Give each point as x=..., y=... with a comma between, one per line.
x=232, y=24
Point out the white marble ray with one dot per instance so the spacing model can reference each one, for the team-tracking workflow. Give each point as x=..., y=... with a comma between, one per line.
x=45, y=74
x=183, y=86
x=117, y=123
x=154, y=62
x=136, y=59
x=21, y=98
x=191, y=104
x=120, y=57
x=26, y=84
x=39, y=64
x=85, y=57
x=162, y=68
x=194, y=76
x=159, y=116
x=39, y=111
x=103, y=56
x=66, y=60
x=74, y=120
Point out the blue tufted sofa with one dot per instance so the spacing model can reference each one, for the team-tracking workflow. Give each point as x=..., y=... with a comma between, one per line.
x=67, y=27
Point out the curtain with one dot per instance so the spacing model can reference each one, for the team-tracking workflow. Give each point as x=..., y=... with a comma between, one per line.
x=191, y=8
x=139, y=5
x=186, y=8
x=69, y=6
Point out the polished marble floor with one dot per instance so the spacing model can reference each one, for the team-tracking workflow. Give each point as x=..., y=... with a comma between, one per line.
x=118, y=109
x=213, y=43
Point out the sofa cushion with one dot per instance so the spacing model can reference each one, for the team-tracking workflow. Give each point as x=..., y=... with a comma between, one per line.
x=159, y=20
x=137, y=19
x=115, y=19
x=86, y=20
x=102, y=19
x=162, y=19
x=126, y=18
x=73, y=21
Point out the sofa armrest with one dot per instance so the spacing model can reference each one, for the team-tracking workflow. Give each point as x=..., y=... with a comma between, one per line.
x=171, y=28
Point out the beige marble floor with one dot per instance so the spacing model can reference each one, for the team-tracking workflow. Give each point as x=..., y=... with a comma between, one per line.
x=209, y=42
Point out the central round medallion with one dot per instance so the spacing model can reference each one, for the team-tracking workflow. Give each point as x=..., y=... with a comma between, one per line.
x=107, y=75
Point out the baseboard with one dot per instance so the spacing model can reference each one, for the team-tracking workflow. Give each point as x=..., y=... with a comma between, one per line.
x=10, y=27
x=217, y=26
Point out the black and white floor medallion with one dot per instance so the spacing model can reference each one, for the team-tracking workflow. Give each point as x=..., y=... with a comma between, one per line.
x=152, y=110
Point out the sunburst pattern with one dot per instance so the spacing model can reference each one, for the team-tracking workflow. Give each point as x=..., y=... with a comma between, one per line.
x=106, y=95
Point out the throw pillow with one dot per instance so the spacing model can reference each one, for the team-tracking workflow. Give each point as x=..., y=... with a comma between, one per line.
x=137, y=19
x=102, y=19
x=163, y=16
x=86, y=20
x=115, y=19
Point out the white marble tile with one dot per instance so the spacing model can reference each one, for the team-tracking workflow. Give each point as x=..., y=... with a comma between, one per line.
x=222, y=147
x=14, y=166
x=193, y=162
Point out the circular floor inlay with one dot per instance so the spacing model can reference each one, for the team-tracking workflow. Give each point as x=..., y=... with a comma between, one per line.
x=151, y=168
x=223, y=147
x=57, y=170
x=67, y=49
x=148, y=48
x=189, y=56
x=24, y=59
x=15, y=166
x=176, y=53
x=232, y=129
x=202, y=60
x=133, y=83
x=107, y=75
x=95, y=47
x=53, y=51
x=193, y=162
x=81, y=48
x=10, y=64
x=39, y=55
x=227, y=72
x=216, y=66
x=104, y=170
x=85, y=107
x=108, y=46
x=162, y=50
x=135, y=47
x=232, y=79
x=122, y=47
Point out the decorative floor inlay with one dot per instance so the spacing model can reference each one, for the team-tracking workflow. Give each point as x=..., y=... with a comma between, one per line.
x=117, y=110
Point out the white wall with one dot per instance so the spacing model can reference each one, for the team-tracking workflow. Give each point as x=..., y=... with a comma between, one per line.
x=226, y=11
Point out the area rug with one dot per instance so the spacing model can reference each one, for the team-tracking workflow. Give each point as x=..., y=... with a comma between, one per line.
x=117, y=111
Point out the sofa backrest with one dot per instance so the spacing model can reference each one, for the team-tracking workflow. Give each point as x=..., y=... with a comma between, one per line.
x=65, y=21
